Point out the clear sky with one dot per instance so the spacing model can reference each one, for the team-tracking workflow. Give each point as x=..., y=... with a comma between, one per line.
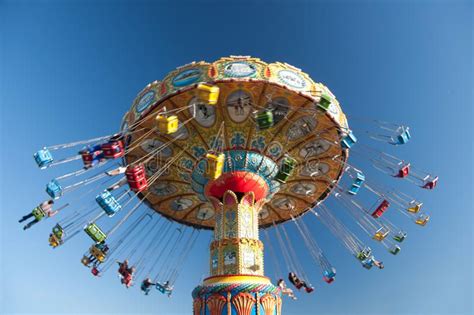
x=70, y=69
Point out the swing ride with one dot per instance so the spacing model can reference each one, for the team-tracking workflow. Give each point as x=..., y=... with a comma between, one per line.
x=236, y=146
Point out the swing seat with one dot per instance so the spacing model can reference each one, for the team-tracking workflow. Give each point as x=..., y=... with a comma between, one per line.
x=54, y=241
x=54, y=189
x=400, y=237
x=330, y=273
x=136, y=178
x=43, y=158
x=380, y=235
x=163, y=289
x=286, y=169
x=328, y=280
x=208, y=93
x=381, y=209
x=264, y=119
x=364, y=254
x=359, y=180
x=95, y=271
x=167, y=125
x=58, y=231
x=404, y=171
x=108, y=203
x=404, y=137
x=395, y=250
x=91, y=157
x=97, y=253
x=422, y=219
x=309, y=289
x=113, y=149
x=160, y=288
x=324, y=102
x=348, y=141
x=431, y=184
x=95, y=233
x=367, y=263
x=354, y=189
x=415, y=208
x=38, y=213
x=215, y=165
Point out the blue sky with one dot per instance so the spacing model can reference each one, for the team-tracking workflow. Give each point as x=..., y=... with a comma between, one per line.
x=70, y=69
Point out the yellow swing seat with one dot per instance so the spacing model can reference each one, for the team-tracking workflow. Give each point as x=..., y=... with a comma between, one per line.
x=381, y=234
x=422, y=219
x=97, y=253
x=208, y=93
x=414, y=207
x=215, y=165
x=167, y=125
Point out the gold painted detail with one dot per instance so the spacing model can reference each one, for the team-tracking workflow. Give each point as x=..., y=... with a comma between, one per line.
x=236, y=248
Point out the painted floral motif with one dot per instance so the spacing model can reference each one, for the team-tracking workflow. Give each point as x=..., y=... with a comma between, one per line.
x=187, y=164
x=198, y=151
x=238, y=140
x=258, y=143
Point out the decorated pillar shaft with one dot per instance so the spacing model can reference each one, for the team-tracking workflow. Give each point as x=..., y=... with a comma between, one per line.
x=237, y=285
x=236, y=248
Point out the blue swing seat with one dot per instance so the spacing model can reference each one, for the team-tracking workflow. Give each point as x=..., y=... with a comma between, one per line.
x=367, y=263
x=330, y=273
x=404, y=137
x=163, y=289
x=43, y=158
x=360, y=178
x=348, y=141
x=54, y=189
x=353, y=190
x=355, y=187
x=108, y=203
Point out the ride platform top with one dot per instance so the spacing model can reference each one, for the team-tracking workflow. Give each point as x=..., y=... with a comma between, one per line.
x=299, y=130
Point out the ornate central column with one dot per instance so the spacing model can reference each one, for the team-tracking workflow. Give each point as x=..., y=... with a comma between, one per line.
x=237, y=285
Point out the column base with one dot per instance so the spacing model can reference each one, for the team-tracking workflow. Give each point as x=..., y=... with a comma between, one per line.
x=237, y=295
